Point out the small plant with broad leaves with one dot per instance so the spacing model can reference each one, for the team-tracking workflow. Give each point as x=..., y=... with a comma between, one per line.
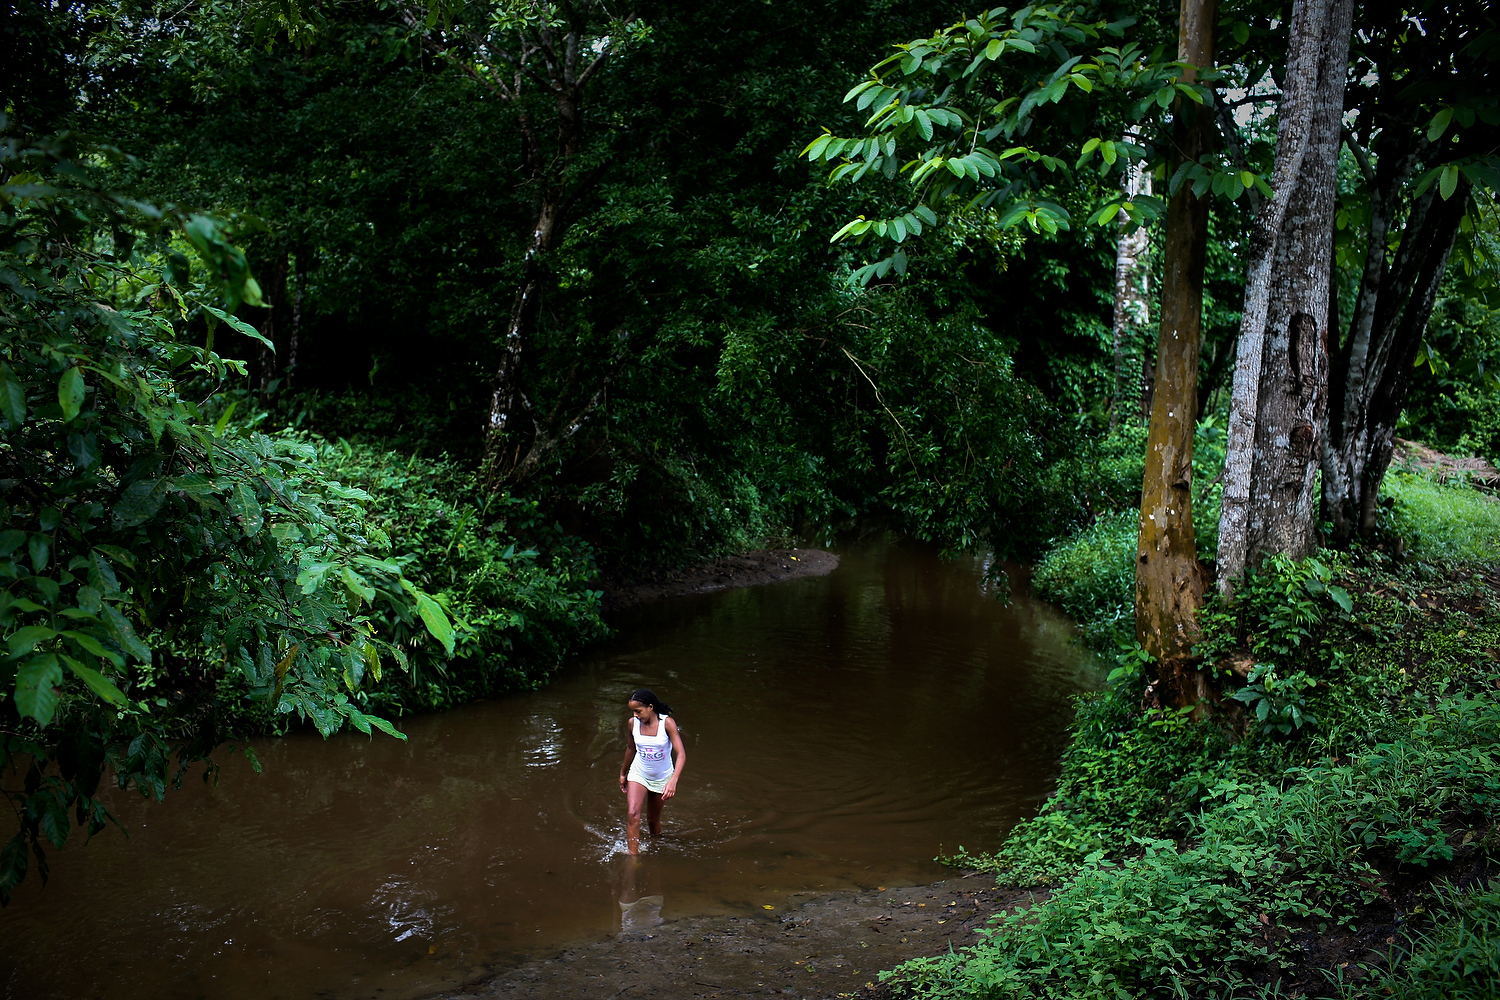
x=1279, y=703
x=154, y=556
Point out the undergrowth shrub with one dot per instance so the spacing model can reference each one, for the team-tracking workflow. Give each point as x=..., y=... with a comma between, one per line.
x=520, y=592
x=1301, y=850
x=1459, y=958
x=1092, y=576
x=1174, y=846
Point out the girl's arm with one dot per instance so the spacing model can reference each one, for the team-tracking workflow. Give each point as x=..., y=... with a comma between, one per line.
x=681, y=761
x=629, y=759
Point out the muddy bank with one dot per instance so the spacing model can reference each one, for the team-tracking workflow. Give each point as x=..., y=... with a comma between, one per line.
x=749, y=569
x=832, y=945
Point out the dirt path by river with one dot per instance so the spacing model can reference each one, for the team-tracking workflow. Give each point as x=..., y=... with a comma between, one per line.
x=829, y=946
x=749, y=569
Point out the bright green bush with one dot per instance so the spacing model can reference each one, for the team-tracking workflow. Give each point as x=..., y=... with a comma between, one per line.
x=1092, y=576
x=522, y=594
x=1184, y=914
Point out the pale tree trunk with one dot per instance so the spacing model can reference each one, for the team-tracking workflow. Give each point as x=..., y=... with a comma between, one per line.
x=274, y=293
x=1132, y=311
x=1373, y=371
x=294, y=338
x=556, y=58
x=1169, y=580
x=1279, y=395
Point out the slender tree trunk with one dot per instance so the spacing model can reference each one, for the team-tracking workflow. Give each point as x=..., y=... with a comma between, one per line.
x=1169, y=580
x=1132, y=296
x=274, y=293
x=1273, y=444
x=1373, y=372
x=294, y=337
x=503, y=449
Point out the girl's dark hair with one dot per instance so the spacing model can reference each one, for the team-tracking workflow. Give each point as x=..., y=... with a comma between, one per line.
x=648, y=697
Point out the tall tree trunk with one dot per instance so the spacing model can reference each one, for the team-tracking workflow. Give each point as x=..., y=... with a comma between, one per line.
x=503, y=448
x=1279, y=391
x=1373, y=371
x=294, y=337
x=1132, y=297
x=274, y=294
x=1169, y=580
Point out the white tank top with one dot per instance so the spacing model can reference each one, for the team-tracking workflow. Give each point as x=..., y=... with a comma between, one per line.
x=653, y=754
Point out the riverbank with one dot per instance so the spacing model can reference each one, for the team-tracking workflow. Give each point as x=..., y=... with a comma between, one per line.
x=747, y=569
x=1331, y=829
x=822, y=946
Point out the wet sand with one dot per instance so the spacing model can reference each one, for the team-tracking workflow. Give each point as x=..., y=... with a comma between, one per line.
x=826, y=947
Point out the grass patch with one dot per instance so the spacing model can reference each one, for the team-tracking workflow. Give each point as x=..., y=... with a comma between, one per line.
x=1443, y=522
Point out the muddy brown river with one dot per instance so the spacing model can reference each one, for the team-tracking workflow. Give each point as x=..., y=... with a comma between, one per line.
x=842, y=731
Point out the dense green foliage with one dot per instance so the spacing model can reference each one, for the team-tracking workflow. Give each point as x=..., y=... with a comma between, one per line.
x=1195, y=858
x=157, y=558
x=178, y=579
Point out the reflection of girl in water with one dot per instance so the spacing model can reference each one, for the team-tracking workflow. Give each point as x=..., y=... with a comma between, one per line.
x=648, y=777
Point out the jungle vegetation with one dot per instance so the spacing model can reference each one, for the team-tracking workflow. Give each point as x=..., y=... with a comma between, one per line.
x=346, y=348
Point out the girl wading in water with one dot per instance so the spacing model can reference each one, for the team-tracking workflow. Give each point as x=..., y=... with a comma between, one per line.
x=648, y=777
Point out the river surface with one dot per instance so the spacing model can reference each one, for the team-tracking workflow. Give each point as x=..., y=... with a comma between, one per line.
x=841, y=732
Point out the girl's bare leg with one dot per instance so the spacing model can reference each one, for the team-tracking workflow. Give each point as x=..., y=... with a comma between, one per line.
x=635, y=801
x=653, y=812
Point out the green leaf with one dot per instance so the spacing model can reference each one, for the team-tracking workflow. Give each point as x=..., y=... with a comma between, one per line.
x=97, y=682
x=223, y=420
x=993, y=50
x=70, y=392
x=433, y=616
x=12, y=398
x=1439, y=124
x=24, y=640
x=385, y=727
x=239, y=324
x=1448, y=182
x=140, y=502
x=36, y=688
x=1341, y=598
x=123, y=633
x=849, y=228
x=924, y=123
x=39, y=546
x=94, y=646
x=357, y=585
x=1241, y=32
x=243, y=505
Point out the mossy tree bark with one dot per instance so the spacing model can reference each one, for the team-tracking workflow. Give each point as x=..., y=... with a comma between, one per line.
x=1280, y=395
x=1169, y=580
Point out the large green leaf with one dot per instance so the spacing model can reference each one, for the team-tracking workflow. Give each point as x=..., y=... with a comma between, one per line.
x=433, y=616
x=97, y=682
x=140, y=502
x=24, y=640
x=36, y=688
x=70, y=392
